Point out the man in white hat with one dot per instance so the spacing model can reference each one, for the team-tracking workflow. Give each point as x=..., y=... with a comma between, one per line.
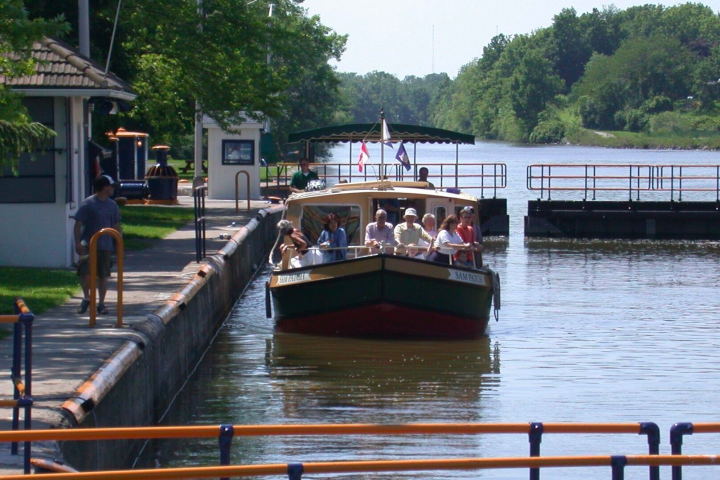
x=95, y=213
x=409, y=233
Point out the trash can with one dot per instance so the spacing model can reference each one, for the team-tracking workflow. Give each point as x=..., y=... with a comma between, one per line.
x=162, y=179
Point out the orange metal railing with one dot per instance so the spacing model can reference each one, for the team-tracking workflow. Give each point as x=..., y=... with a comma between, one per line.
x=483, y=176
x=22, y=392
x=93, y=274
x=633, y=179
x=533, y=430
x=294, y=471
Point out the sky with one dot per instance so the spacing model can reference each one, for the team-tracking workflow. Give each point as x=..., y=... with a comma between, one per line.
x=419, y=37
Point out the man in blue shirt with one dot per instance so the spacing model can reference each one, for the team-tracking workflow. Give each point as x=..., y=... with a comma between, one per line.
x=98, y=211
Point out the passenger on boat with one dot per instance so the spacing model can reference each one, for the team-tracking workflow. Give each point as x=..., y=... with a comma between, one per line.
x=300, y=179
x=448, y=242
x=409, y=233
x=333, y=237
x=379, y=231
x=423, y=177
x=428, y=222
x=464, y=259
x=301, y=255
x=467, y=232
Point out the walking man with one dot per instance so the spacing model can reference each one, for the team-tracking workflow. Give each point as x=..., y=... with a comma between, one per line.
x=96, y=212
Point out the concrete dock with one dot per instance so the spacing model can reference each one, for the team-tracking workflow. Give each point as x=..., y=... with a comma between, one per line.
x=66, y=352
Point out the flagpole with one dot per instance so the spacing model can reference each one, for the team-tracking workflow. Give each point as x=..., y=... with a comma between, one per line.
x=382, y=144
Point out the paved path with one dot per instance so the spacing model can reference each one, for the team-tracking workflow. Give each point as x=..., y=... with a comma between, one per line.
x=66, y=351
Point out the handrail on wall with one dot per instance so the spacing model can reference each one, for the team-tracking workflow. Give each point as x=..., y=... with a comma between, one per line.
x=93, y=274
x=237, y=193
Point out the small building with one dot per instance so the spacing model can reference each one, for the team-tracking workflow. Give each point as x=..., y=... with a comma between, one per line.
x=230, y=153
x=38, y=204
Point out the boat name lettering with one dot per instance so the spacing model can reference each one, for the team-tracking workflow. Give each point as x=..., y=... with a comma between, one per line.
x=293, y=278
x=467, y=277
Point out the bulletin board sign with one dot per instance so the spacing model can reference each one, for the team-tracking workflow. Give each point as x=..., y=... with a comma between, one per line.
x=238, y=152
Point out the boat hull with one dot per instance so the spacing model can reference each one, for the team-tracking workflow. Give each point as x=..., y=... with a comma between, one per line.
x=383, y=296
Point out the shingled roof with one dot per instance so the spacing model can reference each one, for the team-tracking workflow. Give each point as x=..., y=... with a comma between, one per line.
x=61, y=67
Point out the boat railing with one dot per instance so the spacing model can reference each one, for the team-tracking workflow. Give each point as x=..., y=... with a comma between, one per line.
x=225, y=434
x=488, y=178
x=630, y=179
x=357, y=251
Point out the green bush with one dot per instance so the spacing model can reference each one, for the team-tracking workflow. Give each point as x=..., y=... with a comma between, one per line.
x=631, y=120
x=657, y=104
x=548, y=131
x=595, y=114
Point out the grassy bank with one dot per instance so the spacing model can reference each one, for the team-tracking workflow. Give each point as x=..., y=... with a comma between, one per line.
x=667, y=141
x=141, y=224
x=43, y=289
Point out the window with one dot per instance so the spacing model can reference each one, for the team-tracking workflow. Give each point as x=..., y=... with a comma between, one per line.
x=440, y=214
x=35, y=179
x=238, y=152
x=313, y=221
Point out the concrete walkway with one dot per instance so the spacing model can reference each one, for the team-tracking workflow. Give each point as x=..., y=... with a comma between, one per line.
x=66, y=351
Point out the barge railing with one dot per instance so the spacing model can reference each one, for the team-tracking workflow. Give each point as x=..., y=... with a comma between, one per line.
x=632, y=179
x=486, y=177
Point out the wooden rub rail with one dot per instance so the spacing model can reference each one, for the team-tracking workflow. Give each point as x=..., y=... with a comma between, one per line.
x=630, y=178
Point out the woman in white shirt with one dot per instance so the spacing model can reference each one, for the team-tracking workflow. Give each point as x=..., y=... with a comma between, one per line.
x=448, y=242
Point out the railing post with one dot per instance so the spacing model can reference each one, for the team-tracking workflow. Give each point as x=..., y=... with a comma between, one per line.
x=535, y=437
x=618, y=463
x=295, y=471
x=225, y=441
x=653, y=437
x=237, y=193
x=676, y=439
x=199, y=204
x=15, y=374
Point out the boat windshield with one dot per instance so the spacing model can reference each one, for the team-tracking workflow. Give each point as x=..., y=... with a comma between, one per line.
x=313, y=218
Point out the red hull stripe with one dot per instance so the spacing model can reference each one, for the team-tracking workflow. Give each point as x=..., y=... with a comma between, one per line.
x=384, y=320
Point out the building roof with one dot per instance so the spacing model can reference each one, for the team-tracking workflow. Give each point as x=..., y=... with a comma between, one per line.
x=60, y=67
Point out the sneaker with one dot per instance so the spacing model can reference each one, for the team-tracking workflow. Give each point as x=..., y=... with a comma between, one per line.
x=84, y=304
x=102, y=309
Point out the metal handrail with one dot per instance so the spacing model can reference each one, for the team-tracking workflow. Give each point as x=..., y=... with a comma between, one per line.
x=492, y=176
x=679, y=430
x=534, y=431
x=93, y=274
x=294, y=471
x=237, y=191
x=630, y=178
x=22, y=392
x=200, y=232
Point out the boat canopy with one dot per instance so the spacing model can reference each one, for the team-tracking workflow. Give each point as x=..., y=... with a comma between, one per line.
x=370, y=132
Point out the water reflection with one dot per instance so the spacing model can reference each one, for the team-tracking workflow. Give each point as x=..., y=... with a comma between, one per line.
x=316, y=374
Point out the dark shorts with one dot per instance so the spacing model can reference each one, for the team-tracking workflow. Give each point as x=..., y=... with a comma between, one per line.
x=104, y=264
x=439, y=258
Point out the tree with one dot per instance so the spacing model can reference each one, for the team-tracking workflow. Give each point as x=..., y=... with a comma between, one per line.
x=571, y=48
x=17, y=35
x=532, y=87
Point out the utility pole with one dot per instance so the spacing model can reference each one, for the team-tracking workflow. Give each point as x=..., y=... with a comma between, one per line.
x=84, y=27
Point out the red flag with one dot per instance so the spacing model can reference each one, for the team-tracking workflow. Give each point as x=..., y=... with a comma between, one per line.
x=364, y=156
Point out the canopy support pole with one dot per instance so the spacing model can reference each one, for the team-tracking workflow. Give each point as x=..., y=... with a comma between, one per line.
x=457, y=162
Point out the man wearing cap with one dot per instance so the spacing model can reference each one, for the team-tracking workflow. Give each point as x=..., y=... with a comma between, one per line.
x=409, y=233
x=96, y=212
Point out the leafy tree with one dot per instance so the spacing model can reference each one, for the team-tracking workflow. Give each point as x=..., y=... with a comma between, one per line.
x=532, y=87
x=17, y=35
x=572, y=50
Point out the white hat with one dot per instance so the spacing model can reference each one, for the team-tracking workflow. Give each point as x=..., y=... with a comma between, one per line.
x=410, y=212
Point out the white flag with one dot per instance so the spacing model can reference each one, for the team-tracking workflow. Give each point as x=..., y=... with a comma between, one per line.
x=386, y=134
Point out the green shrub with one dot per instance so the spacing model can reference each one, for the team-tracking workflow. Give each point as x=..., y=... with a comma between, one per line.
x=548, y=131
x=631, y=120
x=657, y=104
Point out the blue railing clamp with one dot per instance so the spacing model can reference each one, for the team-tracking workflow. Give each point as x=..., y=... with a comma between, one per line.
x=618, y=463
x=295, y=471
x=225, y=442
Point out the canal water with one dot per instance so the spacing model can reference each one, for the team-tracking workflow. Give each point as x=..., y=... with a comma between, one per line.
x=590, y=331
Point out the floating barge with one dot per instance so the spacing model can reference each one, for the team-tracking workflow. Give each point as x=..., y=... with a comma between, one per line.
x=642, y=214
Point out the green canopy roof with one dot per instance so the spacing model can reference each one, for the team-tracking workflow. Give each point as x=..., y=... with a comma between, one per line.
x=371, y=133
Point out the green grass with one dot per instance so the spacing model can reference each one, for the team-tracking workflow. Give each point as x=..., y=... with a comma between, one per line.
x=141, y=224
x=178, y=164
x=41, y=288
x=621, y=139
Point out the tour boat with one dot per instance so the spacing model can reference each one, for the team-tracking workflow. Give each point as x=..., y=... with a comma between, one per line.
x=379, y=294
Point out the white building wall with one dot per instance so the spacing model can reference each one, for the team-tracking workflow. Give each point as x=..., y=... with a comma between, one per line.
x=40, y=235
x=221, y=178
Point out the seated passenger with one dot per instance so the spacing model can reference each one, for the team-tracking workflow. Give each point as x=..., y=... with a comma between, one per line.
x=379, y=231
x=333, y=238
x=464, y=259
x=301, y=255
x=409, y=232
x=423, y=177
x=428, y=221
